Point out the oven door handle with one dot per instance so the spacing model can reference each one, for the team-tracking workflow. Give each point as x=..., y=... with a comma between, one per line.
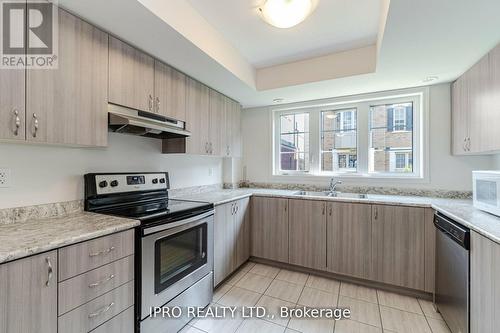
x=177, y=224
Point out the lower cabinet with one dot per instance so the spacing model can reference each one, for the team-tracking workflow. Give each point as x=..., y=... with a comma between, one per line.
x=269, y=228
x=307, y=233
x=231, y=238
x=484, y=285
x=28, y=295
x=349, y=239
x=398, y=255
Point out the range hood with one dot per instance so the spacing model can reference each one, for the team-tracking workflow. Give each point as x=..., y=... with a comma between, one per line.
x=130, y=121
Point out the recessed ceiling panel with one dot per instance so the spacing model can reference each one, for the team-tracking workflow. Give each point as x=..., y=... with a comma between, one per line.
x=335, y=25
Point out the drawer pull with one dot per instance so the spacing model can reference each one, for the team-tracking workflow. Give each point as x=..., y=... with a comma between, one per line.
x=17, y=122
x=103, y=252
x=101, y=311
x=98, y=283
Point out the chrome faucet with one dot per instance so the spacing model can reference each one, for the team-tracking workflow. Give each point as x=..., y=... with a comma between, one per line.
x=333, y=186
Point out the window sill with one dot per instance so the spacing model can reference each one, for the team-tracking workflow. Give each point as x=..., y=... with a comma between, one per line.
x=351, y=177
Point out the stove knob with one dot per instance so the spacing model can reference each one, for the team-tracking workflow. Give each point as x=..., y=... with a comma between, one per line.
x=162, y=180
x=103, y=184
x=155, y=181
x=114, y=183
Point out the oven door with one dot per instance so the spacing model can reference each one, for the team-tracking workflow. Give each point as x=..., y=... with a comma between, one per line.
x=174, y=257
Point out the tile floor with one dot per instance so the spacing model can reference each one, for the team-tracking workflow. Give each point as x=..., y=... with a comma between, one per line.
x=372, y=310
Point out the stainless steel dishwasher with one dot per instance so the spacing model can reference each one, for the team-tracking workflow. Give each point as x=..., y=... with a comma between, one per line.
x=452, y=273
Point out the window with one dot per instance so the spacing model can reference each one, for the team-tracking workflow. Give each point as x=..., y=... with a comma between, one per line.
x=380, y=136
x=294, y=142
x=391, y=130
x=338, y=140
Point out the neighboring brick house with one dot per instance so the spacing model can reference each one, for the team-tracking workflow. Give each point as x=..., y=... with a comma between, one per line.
x=391, y=139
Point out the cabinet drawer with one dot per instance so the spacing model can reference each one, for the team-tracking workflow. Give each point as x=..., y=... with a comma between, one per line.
x=85, y=287
x=83, y=257
x=123, y=323
x=96, y=312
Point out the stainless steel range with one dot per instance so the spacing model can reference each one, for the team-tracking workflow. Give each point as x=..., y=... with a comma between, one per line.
x=174, y=243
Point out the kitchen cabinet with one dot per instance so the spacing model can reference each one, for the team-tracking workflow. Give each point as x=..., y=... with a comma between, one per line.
x=28, y=295
x=430, y=251
x=131, y=76
x=68, y=105
x=217, y=131
x=231, y=238
x=269, y=228
x=484, y=286
x=197, y=117
x=12, y=105
x=232, y=127
x=475, y=107
x=349, y=239
x=307, y=233
x=170, y=92
x=398, y=255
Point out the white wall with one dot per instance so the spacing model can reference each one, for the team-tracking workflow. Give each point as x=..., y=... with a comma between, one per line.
x=45, y=174
x=446, y=172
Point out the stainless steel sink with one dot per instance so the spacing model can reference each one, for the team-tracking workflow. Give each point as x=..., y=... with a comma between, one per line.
x=332, y=195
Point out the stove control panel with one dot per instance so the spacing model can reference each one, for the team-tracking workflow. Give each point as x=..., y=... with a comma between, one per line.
x=121, y=183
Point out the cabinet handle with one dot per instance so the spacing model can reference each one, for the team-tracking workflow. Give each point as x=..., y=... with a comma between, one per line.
x=228, y=151
x=330, y=211
x=95, y=254
x=98, y=283
x=376, y=213
x=237, y=208
x=50, y=271
x=286, y=206
x=150, y=103
x=211, y=148
x=465, y=144
x=206, y=147
x=323, y=210
x=232, y=209
x=468, y=143
x=157, y=104
x=17, y=122
x=35, y=125
x=101, y=311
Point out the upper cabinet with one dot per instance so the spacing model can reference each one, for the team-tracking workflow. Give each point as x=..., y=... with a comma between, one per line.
x=232, y=138
x=131, y=76
x=68, y=105
x=170, y=92
x=476, y=108
x=197, y=117
x=12, y=110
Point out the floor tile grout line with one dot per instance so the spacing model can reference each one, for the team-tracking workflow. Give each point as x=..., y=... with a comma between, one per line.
x=426, y=320
x=379, y=311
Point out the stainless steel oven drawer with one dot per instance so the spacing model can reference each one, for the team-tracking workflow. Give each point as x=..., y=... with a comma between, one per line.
x=199, y=294
x=98, y=311
x=85, y=287
x=83, y=257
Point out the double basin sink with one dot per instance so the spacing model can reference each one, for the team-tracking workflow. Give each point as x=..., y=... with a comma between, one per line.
x=332, y=194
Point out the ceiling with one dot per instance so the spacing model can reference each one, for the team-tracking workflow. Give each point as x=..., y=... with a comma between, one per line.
x=335, y=25
x=414, y=39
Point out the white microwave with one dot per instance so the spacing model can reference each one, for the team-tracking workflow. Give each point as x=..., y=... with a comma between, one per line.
x=486, y=191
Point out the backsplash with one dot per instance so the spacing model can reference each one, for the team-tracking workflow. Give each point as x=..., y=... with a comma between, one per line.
x=365, y=189
x=180, y=192
x=21, y=214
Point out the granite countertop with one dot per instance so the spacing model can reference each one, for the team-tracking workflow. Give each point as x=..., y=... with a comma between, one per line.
x=25, y=238
x=458, y=209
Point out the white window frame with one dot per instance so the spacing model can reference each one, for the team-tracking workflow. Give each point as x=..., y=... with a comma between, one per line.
x=419, y=98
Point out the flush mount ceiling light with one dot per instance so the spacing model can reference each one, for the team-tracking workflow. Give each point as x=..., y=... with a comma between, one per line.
x=430, y=79
x=285, y=13
x=278, y=100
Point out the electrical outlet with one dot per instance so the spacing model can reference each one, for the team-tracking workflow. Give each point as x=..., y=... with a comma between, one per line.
x=4, y=178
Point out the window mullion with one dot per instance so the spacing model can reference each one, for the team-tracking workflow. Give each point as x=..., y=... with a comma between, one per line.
x=363, y=137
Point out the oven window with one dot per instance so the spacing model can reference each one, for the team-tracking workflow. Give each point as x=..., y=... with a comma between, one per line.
x=178, y=255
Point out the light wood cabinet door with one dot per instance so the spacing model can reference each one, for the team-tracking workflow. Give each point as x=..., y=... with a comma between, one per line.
x=484, y=285
x=349, y=239
x=69, y=104
x=131, y=76
x=460, y=116
x=12, y=107
x=269, y=228
x=236, y=138
x=493, y=139
x=217, y=124
x=430, y=250
x=28, y=295
x=170, y=92
x=224, y=241
x=242, y=230
x=480, y=106
x=197, y=117
x=307, y=236
x=398, y=246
